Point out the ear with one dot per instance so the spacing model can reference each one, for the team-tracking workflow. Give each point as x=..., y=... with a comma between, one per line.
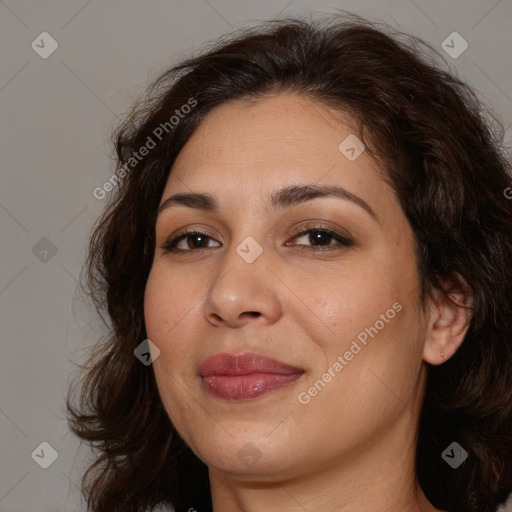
x=447, y=322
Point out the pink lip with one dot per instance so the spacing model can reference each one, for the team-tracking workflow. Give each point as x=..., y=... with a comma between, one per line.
x=239, y=377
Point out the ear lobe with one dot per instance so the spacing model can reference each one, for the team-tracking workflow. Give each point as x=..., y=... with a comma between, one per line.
x=448, y=321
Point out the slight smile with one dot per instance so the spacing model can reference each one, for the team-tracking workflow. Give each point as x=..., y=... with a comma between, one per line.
x=245, y=376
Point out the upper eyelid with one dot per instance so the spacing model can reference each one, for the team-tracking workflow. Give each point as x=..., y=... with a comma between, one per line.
x=295, y=232
x=305, y=225
x=346, y=240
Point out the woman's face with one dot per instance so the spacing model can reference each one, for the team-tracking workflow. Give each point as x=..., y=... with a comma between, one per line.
x=344, y=316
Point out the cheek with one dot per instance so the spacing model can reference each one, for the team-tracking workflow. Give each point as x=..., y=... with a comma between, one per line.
x=368, y=311
x=346, y=301
x=166, y=304
x=171, y=309
x=163, y=309
x=370, y=374
x=165, y=313
x=155, y=304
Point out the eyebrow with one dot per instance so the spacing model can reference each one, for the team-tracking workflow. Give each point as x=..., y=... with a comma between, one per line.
x=282, y=198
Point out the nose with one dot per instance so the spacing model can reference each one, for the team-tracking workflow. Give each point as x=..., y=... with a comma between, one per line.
x=241, y=293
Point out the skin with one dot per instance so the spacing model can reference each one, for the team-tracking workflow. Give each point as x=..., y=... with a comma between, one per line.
x=352, y=446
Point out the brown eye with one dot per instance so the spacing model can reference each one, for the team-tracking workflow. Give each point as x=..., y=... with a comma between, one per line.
x=320, y=237
x=193, y=240
x=323, y=238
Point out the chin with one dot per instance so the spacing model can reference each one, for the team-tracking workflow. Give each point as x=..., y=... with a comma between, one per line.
x=246, y=453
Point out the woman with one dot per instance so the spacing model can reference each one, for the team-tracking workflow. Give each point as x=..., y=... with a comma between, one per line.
x=310, y=239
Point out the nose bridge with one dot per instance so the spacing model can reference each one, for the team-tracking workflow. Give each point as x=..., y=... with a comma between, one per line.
x=248, y=237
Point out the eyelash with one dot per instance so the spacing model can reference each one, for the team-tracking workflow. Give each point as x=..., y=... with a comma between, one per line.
x=170, y=245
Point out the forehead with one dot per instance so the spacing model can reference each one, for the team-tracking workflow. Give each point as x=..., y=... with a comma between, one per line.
x=283, y=126
x=247, y=148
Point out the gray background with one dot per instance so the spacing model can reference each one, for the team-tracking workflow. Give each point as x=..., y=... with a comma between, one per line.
x=57, y=114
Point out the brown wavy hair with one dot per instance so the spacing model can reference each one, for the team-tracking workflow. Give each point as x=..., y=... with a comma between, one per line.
x=440, y=150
